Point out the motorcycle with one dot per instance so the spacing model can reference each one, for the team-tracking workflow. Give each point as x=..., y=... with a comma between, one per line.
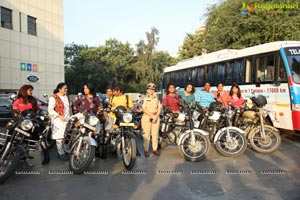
x=178, y=128
x=23, y=135
x=193, y=143
x=262, y=138
x=118, y=134
x=79, y=140
x=229, y=140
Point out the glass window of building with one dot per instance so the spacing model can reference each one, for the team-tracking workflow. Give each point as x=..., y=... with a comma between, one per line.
x=31, y=25
x=6, y=18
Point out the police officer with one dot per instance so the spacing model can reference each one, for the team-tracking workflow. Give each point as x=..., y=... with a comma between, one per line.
x=150, y=120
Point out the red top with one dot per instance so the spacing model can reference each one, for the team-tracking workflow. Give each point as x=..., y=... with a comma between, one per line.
x=21, y=106
x=223, y=98
x=236, y=102
x=171, y=102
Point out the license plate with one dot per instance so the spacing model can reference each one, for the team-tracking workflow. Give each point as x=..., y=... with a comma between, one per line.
x=126, y=124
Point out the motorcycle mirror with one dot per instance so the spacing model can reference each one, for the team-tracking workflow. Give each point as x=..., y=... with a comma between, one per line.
x=13, y=97
x=45, y=96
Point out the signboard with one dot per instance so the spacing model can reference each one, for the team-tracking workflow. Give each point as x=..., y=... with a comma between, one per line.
x=32, y=78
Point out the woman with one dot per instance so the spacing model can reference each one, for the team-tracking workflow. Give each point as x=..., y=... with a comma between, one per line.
x=150, y=120
x=205, y=97
x=59, y=111
x=235, y=98
x=171, y=99
x=89, y=102
x=25, y=102
x=188, y=94
x=108, y=95
x=221, y=95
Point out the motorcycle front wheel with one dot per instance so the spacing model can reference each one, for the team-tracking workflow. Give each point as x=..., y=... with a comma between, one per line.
x=9, y=164
x=236, y=146
x=197, y=151
x=129, y=153
x=79, y=163
x=269, y=144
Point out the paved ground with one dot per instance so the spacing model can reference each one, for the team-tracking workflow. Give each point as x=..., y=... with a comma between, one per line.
x=250, y=176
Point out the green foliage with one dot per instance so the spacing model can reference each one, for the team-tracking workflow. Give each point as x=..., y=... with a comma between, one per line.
x=227, y=28
x=116, y=63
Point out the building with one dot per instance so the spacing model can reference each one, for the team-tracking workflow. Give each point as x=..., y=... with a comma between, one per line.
x=31, y=45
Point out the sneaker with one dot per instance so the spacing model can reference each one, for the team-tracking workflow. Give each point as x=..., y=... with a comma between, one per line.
x=146, y=154
x=156, y=153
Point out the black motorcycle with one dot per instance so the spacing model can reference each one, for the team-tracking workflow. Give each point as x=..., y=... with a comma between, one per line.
x=118, y=134
x=23, y=135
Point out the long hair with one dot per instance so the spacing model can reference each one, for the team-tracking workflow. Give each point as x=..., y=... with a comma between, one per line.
x=59, y=86
x=193, y=88
x=239, y=90
x=22, y=94
x=167, y=88
x=91, y=88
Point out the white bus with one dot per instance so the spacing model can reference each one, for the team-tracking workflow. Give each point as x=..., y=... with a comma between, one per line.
x=271, y=69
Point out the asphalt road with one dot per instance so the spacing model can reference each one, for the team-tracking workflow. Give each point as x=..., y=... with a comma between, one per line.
x=250, y=176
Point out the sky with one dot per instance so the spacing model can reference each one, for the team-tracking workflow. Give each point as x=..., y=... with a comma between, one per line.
x=92, y=22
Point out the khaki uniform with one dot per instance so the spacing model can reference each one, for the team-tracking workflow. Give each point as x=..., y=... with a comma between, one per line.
x=152, y=105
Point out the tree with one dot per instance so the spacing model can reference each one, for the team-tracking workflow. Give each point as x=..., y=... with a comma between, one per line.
x=227, y=28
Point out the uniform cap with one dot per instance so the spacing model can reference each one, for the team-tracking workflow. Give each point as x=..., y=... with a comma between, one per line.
x=151, y=86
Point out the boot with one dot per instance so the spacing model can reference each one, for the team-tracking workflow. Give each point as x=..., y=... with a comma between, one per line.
x=46, y=157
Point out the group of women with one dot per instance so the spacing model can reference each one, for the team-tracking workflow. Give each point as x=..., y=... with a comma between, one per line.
x=204, y=97
x=60, y=111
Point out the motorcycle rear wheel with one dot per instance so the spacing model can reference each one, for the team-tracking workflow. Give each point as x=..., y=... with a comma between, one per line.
x=268, y=145
x=129, y=153
x=11, y=163
x=198, y=151
x=86, y=155
x=236, y=147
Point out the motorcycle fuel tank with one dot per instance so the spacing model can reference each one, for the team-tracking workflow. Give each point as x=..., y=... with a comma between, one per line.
x=249, y=114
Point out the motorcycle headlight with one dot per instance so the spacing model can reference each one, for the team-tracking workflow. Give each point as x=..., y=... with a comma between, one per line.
x=230, y=113
x=93, y=120
x=127, y=117
x=26, y=124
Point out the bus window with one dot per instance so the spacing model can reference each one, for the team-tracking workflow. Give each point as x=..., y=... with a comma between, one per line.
x=166, y=80
x=200, y=77
x=210, y=73
x=193, y=75
x=219, y=73
x=282, y=75
x=265, y=68
x=240, y=71
x=229, y=73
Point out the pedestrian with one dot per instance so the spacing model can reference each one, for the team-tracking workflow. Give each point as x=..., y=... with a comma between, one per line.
x=59, y=111
x=150, y=120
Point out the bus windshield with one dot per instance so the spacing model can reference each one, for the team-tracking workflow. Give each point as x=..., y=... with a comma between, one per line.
x=293, y=57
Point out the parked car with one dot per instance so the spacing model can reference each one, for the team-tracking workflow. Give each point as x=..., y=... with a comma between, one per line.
x=6, y=107
x=5, y=111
